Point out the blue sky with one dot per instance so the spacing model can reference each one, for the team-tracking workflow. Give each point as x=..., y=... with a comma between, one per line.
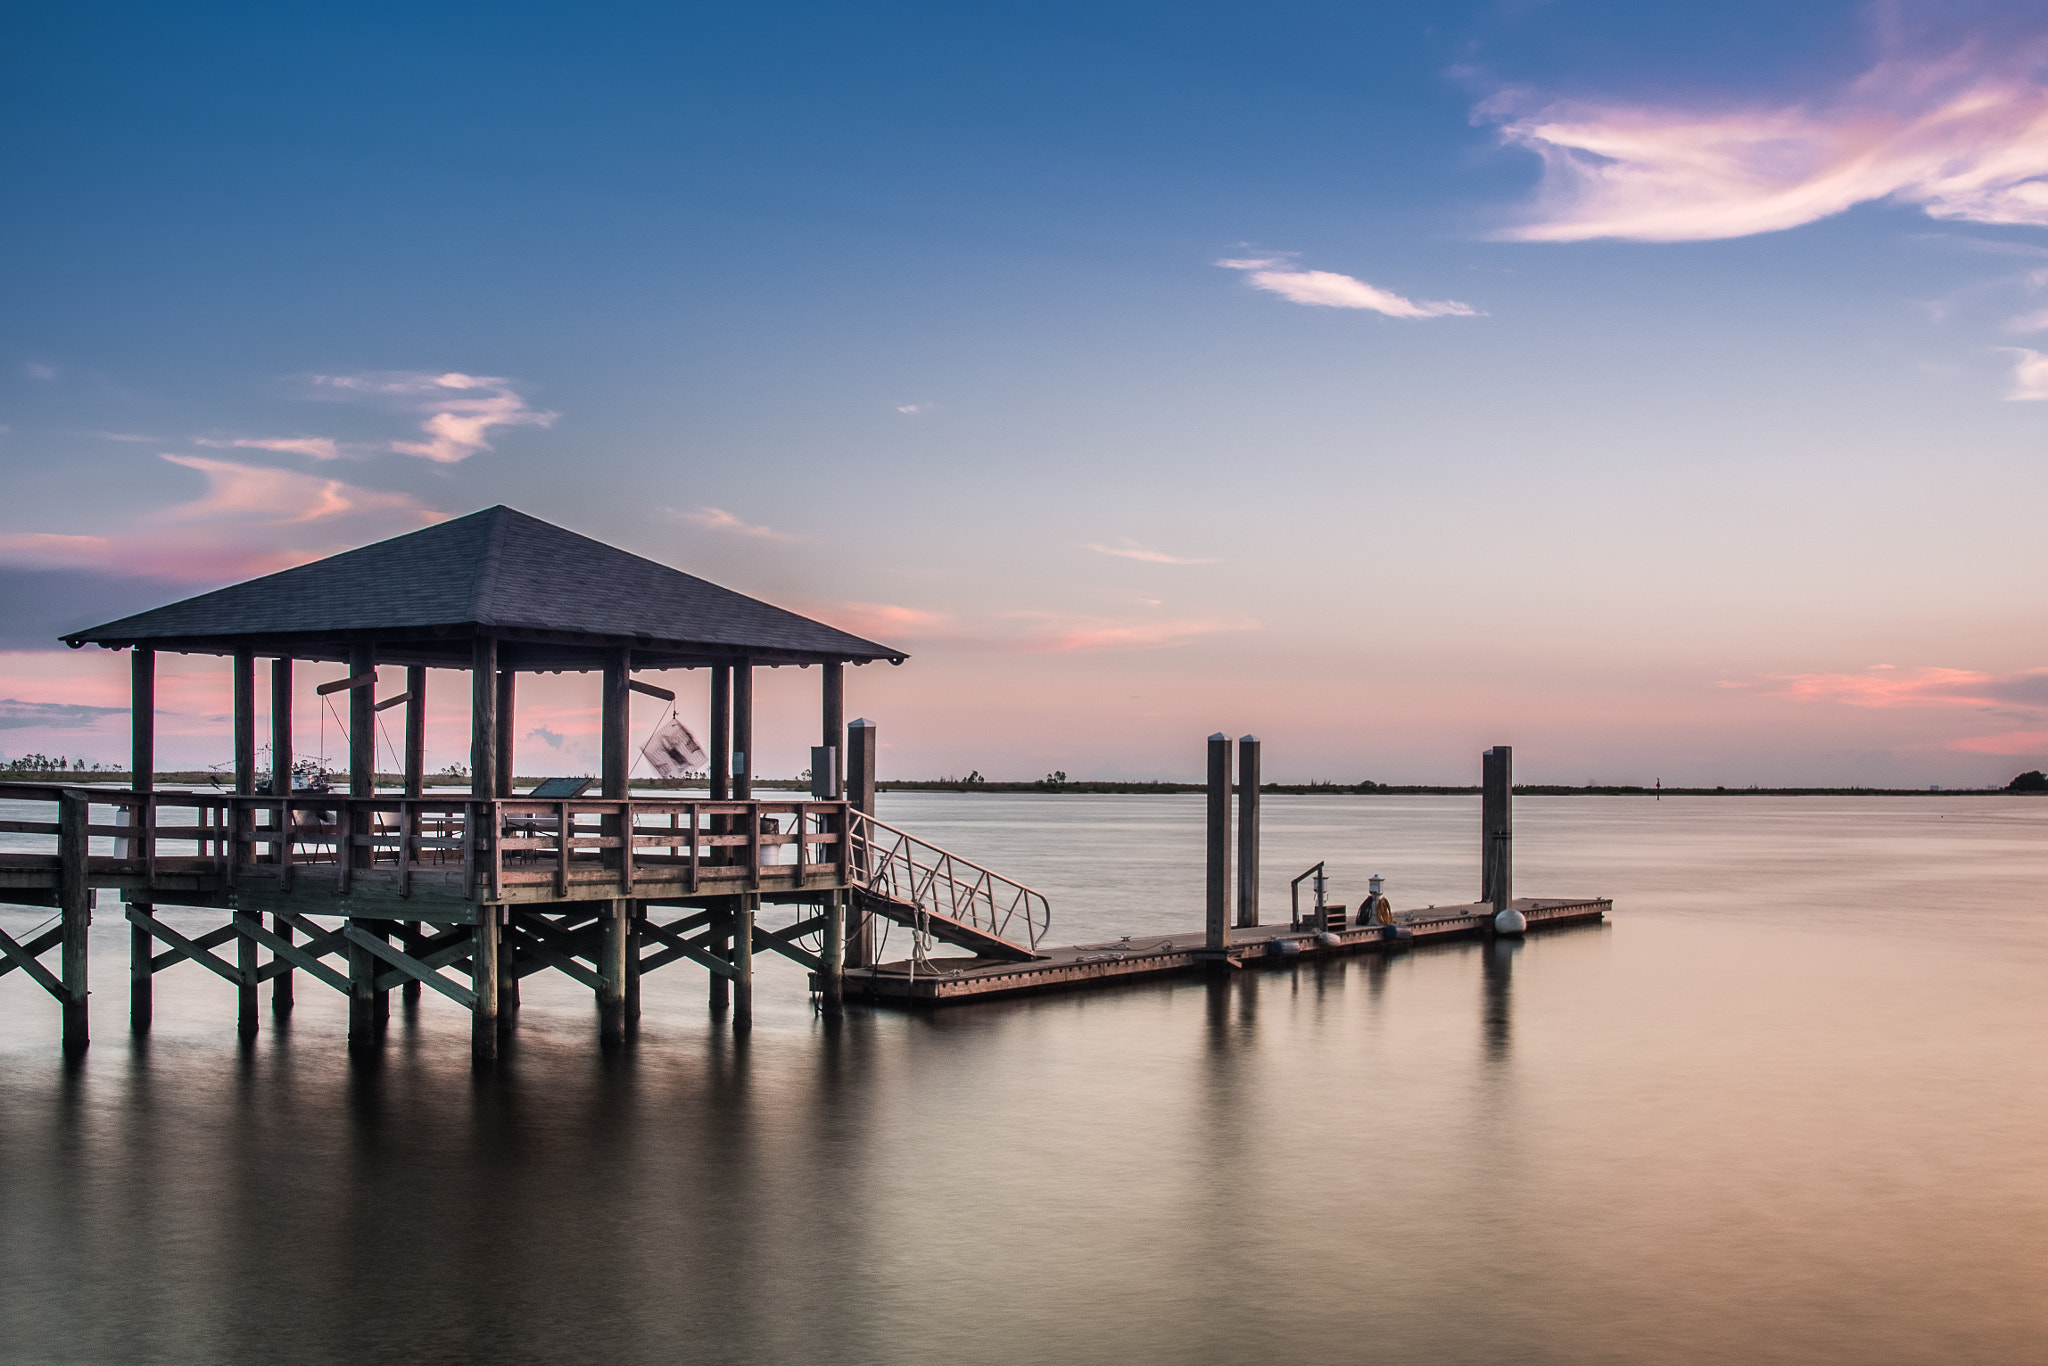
x=1646, y=385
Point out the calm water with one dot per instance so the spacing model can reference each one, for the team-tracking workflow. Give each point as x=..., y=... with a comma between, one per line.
x=1788, y=1106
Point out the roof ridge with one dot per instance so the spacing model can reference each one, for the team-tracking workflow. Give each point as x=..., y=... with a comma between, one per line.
x=485, y=583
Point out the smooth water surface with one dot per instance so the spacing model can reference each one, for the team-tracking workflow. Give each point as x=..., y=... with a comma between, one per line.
x=1787, y=1106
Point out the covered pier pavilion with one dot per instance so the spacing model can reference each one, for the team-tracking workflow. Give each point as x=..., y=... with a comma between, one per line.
x=467, y=893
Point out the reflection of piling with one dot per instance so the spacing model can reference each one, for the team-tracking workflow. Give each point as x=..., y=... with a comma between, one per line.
x=1248, y=830
x=1219, y=841
x=1496, y=825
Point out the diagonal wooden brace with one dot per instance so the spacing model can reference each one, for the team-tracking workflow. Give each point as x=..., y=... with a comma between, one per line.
x=679, y=947
x=205, y=941
x=191, y=948
x=305, y=957
x=783, y=942
x=23, y=956
x=534, y=946
x=411, y=966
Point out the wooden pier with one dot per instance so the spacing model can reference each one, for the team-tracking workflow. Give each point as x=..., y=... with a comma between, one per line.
x=369, y=891
x=1148, y=958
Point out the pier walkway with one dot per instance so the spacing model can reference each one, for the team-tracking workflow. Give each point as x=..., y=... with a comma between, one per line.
x=1145, y=958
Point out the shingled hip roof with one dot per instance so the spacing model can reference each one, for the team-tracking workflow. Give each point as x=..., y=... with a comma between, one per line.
x=497, y=573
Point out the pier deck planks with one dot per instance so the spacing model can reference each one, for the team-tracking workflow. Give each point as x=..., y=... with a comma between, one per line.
x=1149, y=957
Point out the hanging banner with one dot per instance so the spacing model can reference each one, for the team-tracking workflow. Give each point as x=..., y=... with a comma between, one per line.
x=672, y=749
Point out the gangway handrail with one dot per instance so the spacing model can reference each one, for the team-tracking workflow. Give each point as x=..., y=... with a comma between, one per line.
x=887, y=862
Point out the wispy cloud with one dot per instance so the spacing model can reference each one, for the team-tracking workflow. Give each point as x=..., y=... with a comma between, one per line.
x=718, y=519
x=461, y=409
x=915, y=409
x=1962, y=135
x=38, y=370
x=2011, y=742
x=2029, y=375
x=1886, y=685
x=16, y=714
x=250, y=520
x=1129, y=549
x=285, y=498
x=1327, y=289
x=1057, y=633
x=885, y=622
x=319, y=447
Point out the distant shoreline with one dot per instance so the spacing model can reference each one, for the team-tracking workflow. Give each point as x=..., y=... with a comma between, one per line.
x=204, y=777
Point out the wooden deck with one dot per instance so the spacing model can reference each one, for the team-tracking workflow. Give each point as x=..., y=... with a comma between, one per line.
x=1150, y=957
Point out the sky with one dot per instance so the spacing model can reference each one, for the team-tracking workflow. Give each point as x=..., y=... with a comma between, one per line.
x=1662, y=390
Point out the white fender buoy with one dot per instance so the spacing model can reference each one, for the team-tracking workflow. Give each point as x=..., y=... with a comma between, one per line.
x=1510, y=921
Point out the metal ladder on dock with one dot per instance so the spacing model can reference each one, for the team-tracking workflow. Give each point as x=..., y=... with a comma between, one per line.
x=929, y=890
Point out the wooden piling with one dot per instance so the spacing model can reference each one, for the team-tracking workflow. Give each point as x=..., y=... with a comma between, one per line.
x=832, y=982
x=720, y=988
x=636, y=913
x=74, y=902
x=862, y=751
x=362, y=734
x=611, y=971
x=1219, y=842
x=1496, y=821
x=240, y=825
x=483, y=980
x=362, y=1006
x=1248, y=830
x=281, y=755
x=743, y=963
x=142, y=769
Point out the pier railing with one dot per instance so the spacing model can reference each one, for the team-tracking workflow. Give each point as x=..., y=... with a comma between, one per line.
x=912, y=872
x=153, y=840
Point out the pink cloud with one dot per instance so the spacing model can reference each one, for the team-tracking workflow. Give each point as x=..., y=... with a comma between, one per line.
x=1885, y=685
x=1327, y=289
x=2012, y=742
x=1131, y=550
x=718, y=519
x=882, y=621
x=1963, y=136
x=319, y=447
x=251, y=520
x=456, y=427
x=1052, y=633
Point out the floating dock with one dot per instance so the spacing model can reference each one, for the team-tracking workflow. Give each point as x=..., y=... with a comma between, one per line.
x=1148, y=958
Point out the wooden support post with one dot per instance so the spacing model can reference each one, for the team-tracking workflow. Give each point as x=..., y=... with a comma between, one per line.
x=743, y=963
x=240, y=824
x=720, y=948
x=835, y=723
x=508, y=976
x=507, y=688
x=615, y=712
x=362, y=991
x=862, y=750
x=142, y=763
x=1248, y=830
x=1219, y=842
x=74, y=903
x=831, y=985
x=483, y=720
x=245, y=723
x=281, y=757
x=743, y=730
x=415, y=732
x=721, y=733
x=483, y=980
x=636, y=913
x=362, y=735
x=611, y=969
x=142, y=719
x=1497, y=825
x=141, y=972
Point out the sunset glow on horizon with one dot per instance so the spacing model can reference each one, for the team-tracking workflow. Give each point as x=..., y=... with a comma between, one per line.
x=1659, y=393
